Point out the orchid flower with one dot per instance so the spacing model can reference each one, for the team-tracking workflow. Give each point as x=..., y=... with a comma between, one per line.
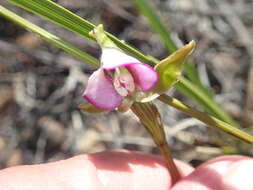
x=120, y=80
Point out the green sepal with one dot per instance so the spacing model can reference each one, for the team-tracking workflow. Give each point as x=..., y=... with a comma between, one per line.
x=103, y=40
x=89, y=108
x=171, y=67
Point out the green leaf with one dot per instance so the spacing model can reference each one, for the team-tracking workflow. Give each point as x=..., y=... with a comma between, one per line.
x=49, y=37
x=171, y=67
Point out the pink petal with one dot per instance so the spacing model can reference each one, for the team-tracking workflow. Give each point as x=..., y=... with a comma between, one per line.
x=113, y=58
x=144, y=75
x=100, y=91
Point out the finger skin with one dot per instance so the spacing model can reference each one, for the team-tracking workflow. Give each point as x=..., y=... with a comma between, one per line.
x=121, y=170
x=222, y=173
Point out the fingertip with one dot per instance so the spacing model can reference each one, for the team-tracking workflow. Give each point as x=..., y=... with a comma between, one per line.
x=217, y=174
x=239, y=175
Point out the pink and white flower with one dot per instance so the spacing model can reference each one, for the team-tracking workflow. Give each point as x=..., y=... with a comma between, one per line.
x=121, y=77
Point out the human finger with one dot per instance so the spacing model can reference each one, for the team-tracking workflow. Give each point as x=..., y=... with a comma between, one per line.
x=101, y=171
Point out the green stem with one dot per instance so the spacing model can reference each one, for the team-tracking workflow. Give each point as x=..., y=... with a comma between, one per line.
x=209, y=120
x=209, y=105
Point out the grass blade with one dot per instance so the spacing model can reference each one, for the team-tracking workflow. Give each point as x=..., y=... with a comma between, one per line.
x=85, y=57
x=57, y=14
x=156, y=24
x=74, y=23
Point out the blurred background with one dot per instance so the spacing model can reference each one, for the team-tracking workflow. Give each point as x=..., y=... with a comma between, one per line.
x=41, y=86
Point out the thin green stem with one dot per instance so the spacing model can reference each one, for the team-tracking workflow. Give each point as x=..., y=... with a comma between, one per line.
x=209, y=120
x=210, y=106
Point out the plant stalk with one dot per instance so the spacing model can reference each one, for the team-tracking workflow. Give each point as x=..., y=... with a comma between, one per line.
x=165, y=151
x=209, y=120
x=150, y=119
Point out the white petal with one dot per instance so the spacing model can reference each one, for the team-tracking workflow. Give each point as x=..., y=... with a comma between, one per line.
x=113, y=58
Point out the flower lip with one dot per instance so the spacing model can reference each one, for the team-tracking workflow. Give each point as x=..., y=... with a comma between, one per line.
x=144, y=75
x=100, y=91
